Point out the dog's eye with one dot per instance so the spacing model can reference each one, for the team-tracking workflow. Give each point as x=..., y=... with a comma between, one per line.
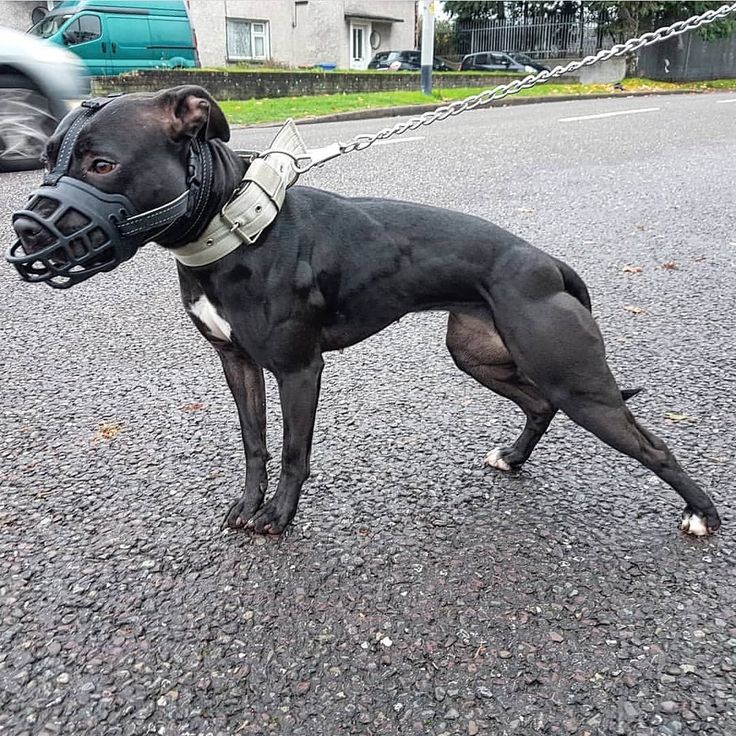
x=101, y=166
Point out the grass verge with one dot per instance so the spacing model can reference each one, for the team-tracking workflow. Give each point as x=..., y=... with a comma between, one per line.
x=267, y=110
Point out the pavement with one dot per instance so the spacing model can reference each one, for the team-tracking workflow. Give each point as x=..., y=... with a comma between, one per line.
x=417, y=591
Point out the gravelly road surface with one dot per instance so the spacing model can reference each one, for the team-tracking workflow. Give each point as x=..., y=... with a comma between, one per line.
x=417, y=592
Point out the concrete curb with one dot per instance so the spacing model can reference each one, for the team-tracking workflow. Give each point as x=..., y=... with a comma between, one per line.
x=390, y=112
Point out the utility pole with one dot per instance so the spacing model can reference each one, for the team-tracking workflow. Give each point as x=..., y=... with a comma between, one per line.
x=428, y=8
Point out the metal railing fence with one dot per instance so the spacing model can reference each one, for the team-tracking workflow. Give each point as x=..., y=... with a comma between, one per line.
x=541, y=39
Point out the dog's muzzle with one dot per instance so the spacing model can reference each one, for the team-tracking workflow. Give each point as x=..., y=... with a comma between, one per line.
x=69, y=231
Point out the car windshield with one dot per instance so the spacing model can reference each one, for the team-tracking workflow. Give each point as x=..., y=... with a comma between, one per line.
x=49, y=25
x=521, y=58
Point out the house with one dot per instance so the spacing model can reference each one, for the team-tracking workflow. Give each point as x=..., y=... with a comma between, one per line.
x=346, y=33
x=292, y=33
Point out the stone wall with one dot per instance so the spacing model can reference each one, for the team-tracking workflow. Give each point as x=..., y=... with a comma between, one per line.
x=605, y=72
x=244, y=85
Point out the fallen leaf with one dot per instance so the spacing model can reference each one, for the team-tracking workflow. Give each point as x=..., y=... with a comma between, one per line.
x=633, y=269
x=634, y=310
x=673, y=416
x=526, y=210
x=640, y=226
x=107, y=431
x=699, y=258
x=193, y=406
x=671, y=265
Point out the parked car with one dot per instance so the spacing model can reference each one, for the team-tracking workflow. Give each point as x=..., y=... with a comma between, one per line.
x=117, y=36
x=494, y=61
x=406, y=61
x=36, y=81
x=527, y=61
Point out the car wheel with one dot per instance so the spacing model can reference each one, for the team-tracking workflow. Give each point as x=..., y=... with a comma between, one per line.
x=26, y=123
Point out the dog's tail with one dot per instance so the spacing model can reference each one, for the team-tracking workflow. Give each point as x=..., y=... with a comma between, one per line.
x=574, y=284
x=627, y=393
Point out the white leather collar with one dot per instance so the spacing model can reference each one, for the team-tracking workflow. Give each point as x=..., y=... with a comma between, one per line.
x=254, y=204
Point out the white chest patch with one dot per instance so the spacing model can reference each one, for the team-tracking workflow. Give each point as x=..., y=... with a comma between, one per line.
x=205, y=312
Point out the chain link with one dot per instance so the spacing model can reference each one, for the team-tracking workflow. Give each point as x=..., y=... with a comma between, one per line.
x=361, y=142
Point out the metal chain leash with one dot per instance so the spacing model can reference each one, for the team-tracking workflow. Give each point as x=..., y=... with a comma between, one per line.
x=361, y=142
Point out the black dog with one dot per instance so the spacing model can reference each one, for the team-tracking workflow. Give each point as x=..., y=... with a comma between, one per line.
x=331, y=271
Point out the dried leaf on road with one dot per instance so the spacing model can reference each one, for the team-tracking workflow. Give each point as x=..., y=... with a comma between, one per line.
x=107, y=431
x=634, y=310
x=633, y=269
x=193, y=406
x=671, y=266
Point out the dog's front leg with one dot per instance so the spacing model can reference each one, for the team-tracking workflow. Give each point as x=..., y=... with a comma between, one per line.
x=299, y=392
x=245, y=380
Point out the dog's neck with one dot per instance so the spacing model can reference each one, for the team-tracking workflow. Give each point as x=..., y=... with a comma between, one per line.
x=228, y=170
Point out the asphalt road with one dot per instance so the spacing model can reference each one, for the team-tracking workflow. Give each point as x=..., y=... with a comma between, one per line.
x=417, y=592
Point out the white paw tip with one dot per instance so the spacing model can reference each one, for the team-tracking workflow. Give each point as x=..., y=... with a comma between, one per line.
x=693, y=524
x=495, y=460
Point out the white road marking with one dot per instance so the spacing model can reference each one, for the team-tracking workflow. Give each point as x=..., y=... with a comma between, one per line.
x=608, y=114
x=400, y=140
x=204, y=310
x=725, y=102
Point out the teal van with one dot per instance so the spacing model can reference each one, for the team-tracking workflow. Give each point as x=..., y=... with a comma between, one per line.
x=115, y=36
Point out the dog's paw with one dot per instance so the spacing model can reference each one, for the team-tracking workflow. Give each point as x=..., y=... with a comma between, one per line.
x=495, y=459
x=272, y=518
x=699, y=525
x=239, y=513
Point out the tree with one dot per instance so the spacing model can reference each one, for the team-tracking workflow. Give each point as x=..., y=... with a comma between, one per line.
x=474, y=10
x=623, y=20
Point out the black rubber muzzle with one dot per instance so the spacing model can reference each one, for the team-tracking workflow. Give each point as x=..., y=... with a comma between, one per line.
x=78, y=228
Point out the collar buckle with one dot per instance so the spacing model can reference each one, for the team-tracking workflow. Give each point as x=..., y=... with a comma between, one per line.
x=235, y=227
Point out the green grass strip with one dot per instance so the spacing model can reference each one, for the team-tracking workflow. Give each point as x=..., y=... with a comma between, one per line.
x=267, y=110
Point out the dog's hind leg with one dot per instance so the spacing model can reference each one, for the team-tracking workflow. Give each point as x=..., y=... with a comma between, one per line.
x=555, y=341
x=477, y=349
x=245, y=380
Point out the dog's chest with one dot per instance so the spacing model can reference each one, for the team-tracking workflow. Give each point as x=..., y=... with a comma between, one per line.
x=215, y=325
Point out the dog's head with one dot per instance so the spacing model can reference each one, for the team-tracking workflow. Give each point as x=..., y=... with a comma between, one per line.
x=120, y=170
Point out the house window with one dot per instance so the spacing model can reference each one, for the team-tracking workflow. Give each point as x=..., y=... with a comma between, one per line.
x=247, y=40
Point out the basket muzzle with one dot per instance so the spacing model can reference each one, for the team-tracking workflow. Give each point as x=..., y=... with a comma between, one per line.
x=69, y=230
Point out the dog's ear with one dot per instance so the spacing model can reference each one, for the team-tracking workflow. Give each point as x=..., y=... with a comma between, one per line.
x=193, y=111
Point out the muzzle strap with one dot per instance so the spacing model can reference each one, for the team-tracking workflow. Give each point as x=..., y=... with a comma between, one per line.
x=85, y=111
x=162, y=216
